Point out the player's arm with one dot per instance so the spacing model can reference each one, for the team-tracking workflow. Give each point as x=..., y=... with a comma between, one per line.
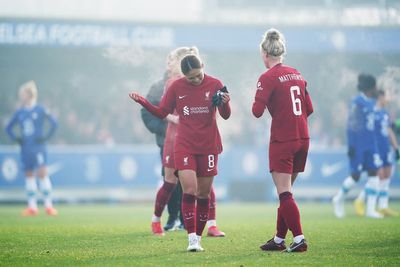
x=263, y=94
x=53, y=125
x=309, y=106
x=393, y=141
x=225, y=109
x=155, y=110
x=10, y=129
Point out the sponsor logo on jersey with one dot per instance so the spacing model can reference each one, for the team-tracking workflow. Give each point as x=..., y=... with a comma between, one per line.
x=186, y=111
x=259, y=86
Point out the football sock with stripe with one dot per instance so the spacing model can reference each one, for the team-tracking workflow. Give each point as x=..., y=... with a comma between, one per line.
x=371, y=191
x=347, y=184
x=383, y=202
x=189, y=212
x=202, y=208
x=31, y=192
x=163, y=195
x=46, y=188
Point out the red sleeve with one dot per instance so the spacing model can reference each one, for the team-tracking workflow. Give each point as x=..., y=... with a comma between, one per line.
x=309, y=105
x=168, y=101
x=225, y=111
x=263, y=94
x=155, y=110
x=258, y=109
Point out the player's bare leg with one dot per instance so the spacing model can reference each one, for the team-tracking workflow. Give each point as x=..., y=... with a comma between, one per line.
x=339, y=198
x=46, y=189
x=31, y=192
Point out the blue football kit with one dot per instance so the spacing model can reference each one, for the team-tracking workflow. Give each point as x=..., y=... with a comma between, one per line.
x=32, y=135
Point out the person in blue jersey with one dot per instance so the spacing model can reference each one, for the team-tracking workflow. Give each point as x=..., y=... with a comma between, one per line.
x=386, y=139
x=362, y=147
x=28, y=127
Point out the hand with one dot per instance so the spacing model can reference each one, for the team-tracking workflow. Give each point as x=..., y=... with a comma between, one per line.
x=172, y=118
x=225, y=98
x=218, y=97
x=397, y=154
x=351, y=152
x=136, y=97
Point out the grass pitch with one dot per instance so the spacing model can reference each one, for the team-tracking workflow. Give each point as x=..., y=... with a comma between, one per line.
x=119, y=235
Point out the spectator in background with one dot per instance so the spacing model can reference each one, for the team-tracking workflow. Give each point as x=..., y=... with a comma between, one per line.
x=31, y=119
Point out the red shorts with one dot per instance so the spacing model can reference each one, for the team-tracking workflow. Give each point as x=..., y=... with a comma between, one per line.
x=168, y=155
x=203, y=165
x=288, y=157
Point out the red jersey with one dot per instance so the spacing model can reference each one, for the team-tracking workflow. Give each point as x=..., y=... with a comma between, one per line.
x=282, y=90
x=197, y=131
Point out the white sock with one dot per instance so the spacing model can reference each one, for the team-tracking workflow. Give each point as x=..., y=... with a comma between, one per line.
x=371, y=190
x=297, y=239
x=192, y=236
x=46, y=188
x=278, y=240
x=211, y=223
x=154, y=218
x=347, y=184
x=31, y=191
x=383, y=202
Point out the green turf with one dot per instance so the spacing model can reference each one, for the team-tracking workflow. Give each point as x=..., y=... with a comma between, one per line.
x=118, y=235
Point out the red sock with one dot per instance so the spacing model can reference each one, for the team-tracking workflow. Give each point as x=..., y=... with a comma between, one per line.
x=201, y=214
x=290, y=213
x=281, y=227
x=189, y=212
x=213, y=204
x=163, y=195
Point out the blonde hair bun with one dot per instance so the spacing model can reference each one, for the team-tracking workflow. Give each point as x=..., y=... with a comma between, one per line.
x=273, y=43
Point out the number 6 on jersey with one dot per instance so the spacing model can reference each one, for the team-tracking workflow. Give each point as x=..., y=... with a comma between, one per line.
x=296, y=102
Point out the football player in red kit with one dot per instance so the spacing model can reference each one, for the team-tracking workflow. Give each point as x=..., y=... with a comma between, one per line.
x=282, y=90
x=170, y=180
x=197, y=142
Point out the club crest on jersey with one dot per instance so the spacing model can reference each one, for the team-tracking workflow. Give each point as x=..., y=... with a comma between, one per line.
x=186, y=161
x=167, y=159
x=186, y=111
x=34, y=115
x=207, y=95
x=259, y=86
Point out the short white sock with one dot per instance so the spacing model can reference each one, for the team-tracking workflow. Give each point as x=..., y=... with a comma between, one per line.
x=383, y=201
x=31, y=191
x=154, y=218
x=371, y=190
x=297, y=239
x=211, y=223
x=278, y=240
x=347, y=184
x=46, y=188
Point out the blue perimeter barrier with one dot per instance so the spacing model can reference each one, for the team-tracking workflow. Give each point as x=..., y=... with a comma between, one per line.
x=133, y=173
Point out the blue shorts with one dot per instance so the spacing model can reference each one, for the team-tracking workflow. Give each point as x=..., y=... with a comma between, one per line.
x=365, y=160
x=32, y=160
